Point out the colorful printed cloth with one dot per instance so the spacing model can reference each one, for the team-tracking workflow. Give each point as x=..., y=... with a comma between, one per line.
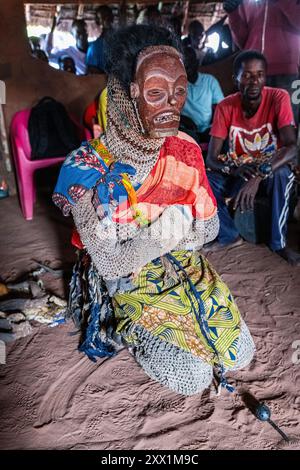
x=177, y=178
x=91, y=166
x=168, y=308
x=192, y=309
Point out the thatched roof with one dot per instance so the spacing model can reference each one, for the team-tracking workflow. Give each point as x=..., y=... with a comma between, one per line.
x=42, y=13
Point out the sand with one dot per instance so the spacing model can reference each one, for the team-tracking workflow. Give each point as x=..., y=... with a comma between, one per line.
x=52, y=397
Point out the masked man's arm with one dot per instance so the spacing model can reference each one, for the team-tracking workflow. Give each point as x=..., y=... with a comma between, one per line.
x=114, y=257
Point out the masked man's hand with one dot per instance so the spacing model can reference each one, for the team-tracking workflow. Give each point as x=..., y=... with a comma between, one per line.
x=231, y=5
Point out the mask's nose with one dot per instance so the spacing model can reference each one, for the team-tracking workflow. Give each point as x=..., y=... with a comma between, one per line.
x=172, y=100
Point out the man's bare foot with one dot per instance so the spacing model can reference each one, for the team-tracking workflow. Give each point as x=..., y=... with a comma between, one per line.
x=216, y=246
x=290, y=256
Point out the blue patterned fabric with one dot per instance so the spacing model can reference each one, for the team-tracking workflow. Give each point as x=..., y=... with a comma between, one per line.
x=91, y=310
x=83, y=170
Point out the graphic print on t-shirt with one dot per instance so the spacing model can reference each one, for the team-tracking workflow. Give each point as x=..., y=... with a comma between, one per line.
x=258, y=143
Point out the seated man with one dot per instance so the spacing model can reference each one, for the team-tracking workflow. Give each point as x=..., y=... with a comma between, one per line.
x=66, y=64
x=203, y=93
x=39, y=54
x=258, y=122
x=196, y=39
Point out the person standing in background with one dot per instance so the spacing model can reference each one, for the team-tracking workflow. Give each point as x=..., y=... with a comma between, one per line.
x=95, y=54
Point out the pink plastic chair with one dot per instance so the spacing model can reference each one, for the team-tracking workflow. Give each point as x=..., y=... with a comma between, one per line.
x=25, y=167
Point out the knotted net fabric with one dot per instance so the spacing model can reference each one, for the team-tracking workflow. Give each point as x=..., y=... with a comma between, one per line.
x=179, y=370
x=115, y=257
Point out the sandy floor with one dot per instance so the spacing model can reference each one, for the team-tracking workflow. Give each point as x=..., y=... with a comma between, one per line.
x=52, y=397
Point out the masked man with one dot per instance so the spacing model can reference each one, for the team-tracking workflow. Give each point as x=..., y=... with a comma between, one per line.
x=142, y=205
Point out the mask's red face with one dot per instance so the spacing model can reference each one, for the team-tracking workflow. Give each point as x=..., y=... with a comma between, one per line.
x=159, y=88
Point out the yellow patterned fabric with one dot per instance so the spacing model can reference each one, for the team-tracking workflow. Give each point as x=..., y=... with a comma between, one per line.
x=165, y=306
x=102, y=109
x=102, y=151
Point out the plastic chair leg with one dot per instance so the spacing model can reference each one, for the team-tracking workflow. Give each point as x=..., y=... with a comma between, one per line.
x=27, y=195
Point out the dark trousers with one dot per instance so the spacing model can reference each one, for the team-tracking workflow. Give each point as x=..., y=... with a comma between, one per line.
x=277, y=189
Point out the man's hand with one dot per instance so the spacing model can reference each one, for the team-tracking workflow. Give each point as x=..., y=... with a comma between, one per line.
x=246, y=171
x=231, y=5
x=246, y=196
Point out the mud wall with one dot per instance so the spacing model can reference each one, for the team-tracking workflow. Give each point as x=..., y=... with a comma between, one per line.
x=28, y=79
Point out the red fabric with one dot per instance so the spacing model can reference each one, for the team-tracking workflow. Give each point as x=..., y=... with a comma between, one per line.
x=274, y=113
x=90, y=115
x=282, y=32
x=191, y=155
x=178, y=178
x=75, y=240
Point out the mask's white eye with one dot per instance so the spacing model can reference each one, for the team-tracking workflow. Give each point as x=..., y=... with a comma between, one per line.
x=180, y=91
x=155, y=92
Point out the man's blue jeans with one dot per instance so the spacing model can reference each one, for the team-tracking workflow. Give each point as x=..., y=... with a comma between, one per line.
x=277, y=188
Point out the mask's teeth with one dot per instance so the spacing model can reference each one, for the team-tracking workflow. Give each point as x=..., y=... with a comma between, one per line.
x=162, y=119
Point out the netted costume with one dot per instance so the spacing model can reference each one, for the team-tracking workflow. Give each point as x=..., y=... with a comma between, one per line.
x=143, y=209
